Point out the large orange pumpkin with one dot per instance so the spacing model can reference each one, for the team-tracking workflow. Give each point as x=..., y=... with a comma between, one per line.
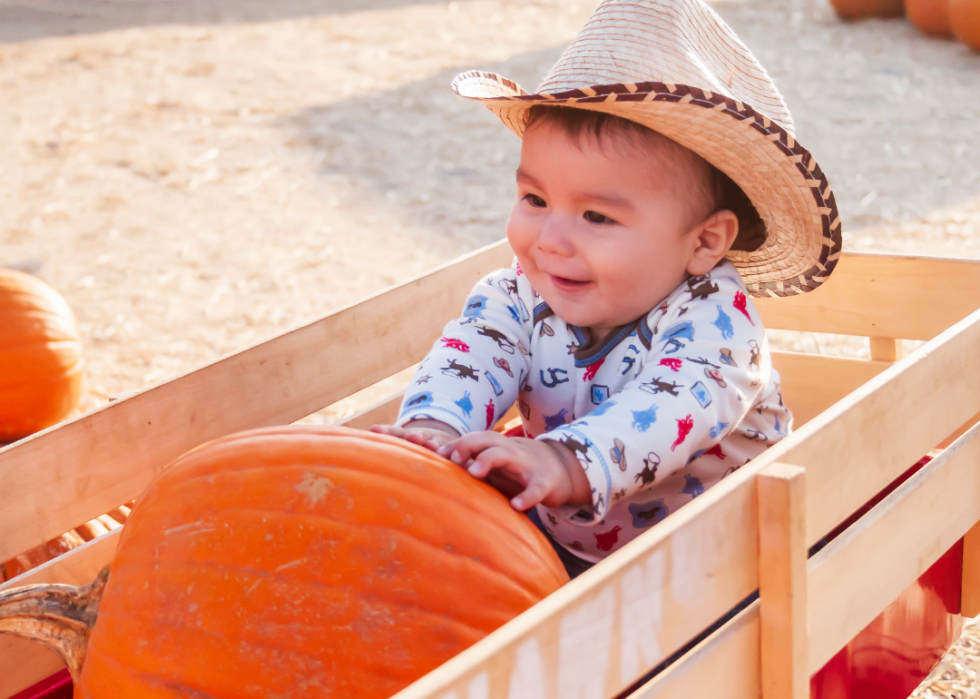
x=930, y=16
x=964, y=18
x=307, y=562
x=41, y=366
x=864, y=9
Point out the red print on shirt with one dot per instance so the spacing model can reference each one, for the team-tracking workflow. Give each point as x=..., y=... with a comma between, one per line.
x=491, y=413
x=455, y=344
x=716, y=451
x=740, y=303
x=606, y=540
x=591, y=370
x=671, y=363
x=519, y=270
x=684, y=427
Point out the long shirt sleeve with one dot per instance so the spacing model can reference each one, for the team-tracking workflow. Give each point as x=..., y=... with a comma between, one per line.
x=473, y=373
x=656, y=411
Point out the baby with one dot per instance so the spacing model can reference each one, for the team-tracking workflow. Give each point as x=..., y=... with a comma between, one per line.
x=624, y=331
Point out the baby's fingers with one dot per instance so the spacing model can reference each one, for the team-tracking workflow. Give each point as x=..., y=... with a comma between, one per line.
x=467, y=447
x=536, y=491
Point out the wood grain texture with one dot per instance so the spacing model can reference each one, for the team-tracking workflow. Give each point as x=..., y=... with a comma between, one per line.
x=64, y=476
x=893, y=296
x=862, y=571
x=885, y=349
x=726, y=664
x=864, y=442
x=782, y=582
x=811, y=383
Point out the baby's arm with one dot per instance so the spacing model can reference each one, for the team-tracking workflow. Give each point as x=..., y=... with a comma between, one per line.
x=472, y=374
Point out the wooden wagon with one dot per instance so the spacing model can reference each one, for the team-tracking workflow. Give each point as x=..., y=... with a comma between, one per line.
x=721, y=599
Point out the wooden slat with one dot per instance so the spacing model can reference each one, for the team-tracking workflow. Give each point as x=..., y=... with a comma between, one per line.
x=885, y=349
x=811, y=383
x=54, y=480
x=861, y=572
x=724, y=666
x=864, y=442
x=602, y=631
x=25, y=663
x=912, y=298
x=782, y=582
x=383, y=412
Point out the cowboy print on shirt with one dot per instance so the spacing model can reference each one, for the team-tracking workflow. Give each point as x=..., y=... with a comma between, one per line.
x=656, y=412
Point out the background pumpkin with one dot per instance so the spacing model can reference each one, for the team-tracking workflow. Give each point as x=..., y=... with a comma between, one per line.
x=964, y=18
x=41, y=365
x=40, y=554
x=931, y=17
x=307, y=562
x=864, y=9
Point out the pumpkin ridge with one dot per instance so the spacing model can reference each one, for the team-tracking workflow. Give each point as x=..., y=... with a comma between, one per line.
x=45, y=381
x=483, y=515
x=485, y=520
x=139, y=613
x=468, y=483
x=508, y=580
x=151, y=679
x=384, y=668
x=48, y=342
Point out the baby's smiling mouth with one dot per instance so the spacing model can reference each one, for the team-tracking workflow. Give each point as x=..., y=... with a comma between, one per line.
x=566, y=284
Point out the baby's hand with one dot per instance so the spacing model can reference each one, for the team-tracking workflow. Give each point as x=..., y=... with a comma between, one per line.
x=430, y=434
x=549, y=472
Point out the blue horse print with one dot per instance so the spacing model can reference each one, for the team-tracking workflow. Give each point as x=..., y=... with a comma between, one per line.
x=553, y=422
x=603, y=407
x=465, y=404
x=724, y=323
x=642, y=419
x=692, y=485
x=475, y=306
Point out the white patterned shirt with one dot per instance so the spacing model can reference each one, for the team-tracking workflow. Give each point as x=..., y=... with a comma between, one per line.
x=656, y=412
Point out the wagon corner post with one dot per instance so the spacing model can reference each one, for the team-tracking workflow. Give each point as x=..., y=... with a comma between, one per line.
x=782, y=582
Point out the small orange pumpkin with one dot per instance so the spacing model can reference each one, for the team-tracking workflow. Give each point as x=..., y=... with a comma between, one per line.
x=865, y=9
x=964, y=18
x=41, y=365
x=300, y=561
x=40, y=554
x=930, y=16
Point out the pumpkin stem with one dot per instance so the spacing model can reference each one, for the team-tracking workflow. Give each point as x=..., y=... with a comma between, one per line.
x=60, y=617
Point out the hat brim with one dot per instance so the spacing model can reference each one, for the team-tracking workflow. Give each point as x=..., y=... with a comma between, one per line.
x=779, y=176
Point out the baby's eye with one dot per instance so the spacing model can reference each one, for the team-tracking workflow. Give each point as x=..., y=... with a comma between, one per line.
x=535, y=201
x=594, y=217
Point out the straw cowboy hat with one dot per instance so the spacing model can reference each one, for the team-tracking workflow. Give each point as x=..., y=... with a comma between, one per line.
x=677, y=68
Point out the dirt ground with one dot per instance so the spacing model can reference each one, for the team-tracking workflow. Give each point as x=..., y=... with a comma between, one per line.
x=198, y=175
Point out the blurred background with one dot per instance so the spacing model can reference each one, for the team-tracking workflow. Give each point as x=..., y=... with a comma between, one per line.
x=195, y=176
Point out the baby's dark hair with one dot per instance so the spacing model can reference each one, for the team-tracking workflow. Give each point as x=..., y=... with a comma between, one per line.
x=717, y=190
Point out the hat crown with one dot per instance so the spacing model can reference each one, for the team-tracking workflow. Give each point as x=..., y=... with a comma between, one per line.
x=666, y=41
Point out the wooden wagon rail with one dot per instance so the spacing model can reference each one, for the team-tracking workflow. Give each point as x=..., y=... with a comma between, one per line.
x=866, y=422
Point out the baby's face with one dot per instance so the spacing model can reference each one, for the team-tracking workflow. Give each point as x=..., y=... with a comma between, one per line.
x=601, y=234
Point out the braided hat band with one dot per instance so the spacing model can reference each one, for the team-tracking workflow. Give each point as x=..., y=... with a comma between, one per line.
x=640, y=60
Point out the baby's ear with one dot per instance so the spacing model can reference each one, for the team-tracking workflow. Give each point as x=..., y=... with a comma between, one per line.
x=715, y=236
